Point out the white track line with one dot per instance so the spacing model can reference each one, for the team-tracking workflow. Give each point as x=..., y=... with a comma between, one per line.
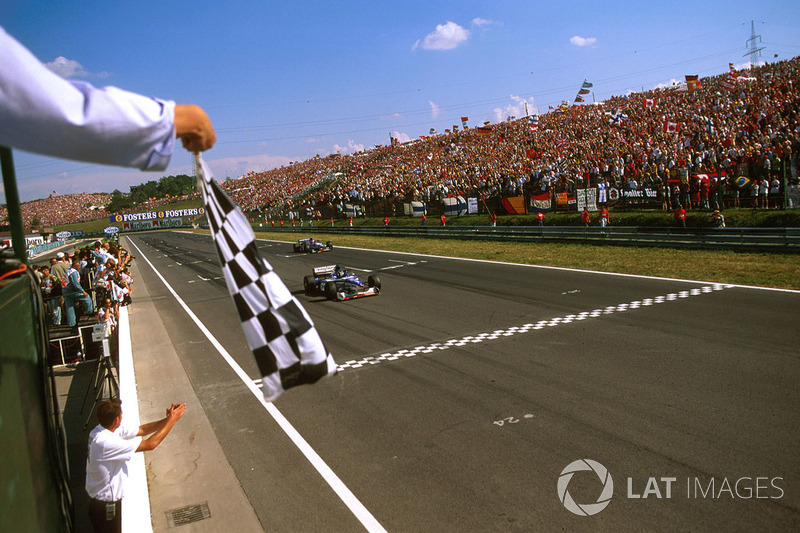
x=345, y=494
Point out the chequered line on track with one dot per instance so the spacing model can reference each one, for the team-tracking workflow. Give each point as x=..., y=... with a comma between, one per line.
x=527, y=328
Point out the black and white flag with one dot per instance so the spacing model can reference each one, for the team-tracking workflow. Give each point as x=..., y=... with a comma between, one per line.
x=282, y=336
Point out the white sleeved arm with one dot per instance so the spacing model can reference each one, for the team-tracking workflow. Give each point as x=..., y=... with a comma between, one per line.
x=43, y=113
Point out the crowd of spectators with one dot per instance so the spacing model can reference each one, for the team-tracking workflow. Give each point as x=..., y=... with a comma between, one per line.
x=95, y=275
x=661, y=138
x=60, y=209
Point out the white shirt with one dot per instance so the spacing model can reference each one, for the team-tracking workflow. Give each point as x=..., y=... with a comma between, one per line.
x=107, y=461
x=43, y=113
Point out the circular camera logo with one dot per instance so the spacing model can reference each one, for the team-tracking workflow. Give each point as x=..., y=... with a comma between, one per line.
x=585, y=509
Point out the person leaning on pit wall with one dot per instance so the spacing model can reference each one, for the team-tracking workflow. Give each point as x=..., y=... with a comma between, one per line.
x=111, y=446
x=43, y=113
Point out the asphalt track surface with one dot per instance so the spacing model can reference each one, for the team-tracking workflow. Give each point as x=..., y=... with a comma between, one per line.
x=466, y=388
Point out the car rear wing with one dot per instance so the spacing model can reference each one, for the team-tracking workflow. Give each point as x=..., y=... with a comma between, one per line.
x=324, y=270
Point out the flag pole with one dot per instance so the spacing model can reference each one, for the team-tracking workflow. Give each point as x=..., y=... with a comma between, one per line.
x=12, y=204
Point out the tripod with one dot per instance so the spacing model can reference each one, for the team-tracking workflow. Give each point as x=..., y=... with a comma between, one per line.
x=103, y=383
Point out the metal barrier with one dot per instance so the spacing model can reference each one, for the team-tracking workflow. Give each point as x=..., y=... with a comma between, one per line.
x=762, y=239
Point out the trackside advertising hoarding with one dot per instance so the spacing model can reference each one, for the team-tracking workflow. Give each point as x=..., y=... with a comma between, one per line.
x=155, y=215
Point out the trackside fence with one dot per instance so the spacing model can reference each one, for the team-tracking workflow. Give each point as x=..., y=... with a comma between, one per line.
x=743, y=239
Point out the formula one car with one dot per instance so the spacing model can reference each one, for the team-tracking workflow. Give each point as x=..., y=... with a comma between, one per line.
x=310, y=246
x=338, y=284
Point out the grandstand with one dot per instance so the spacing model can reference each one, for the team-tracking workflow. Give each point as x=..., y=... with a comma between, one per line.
x=740, y=128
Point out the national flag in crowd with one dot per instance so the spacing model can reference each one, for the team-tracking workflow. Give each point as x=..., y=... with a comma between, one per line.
x=532, y=153
x=455, y=128
x=541, y=202
x=561, y=142
x=533, y=120
x=578, y=99
x=464, y=121
x=670, y=127
x=649, y=102
x=602, y=193
x=729, y=82
x=586, y=85
x=693, y=82
x=483, y=130
x=618, y=116
x=433, y=131
x=286, y=346
x=741, y=181
x=708, y=122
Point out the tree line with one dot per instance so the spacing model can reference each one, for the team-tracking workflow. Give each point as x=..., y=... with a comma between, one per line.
x=172, y=186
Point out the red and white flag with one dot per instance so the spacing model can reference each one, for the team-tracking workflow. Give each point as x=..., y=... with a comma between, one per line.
x=670, y=127
x=649, y=102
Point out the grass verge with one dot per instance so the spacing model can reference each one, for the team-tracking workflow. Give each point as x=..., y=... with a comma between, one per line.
x=759, y=269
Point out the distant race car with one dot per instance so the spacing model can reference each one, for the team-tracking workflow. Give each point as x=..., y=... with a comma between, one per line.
x=310, y=246
x=338, y=284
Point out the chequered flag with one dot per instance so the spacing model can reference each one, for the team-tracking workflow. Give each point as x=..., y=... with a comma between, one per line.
x=282, y=336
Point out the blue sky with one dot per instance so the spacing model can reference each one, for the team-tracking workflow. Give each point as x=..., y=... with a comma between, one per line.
x=284, y=81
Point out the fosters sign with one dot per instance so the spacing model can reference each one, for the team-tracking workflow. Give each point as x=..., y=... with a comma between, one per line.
x=155, y=215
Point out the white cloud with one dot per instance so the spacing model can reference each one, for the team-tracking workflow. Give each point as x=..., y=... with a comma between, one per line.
x=435, y=109
x=669, y=84
x=477, y=21
x=577, y=40
x=351, y=147
x=515, y=109
x=235, y=167
x=69, y=68
x=66, y=68
x=446, y=37
x=401, y=137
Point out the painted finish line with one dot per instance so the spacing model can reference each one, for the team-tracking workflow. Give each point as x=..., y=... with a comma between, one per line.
x=525, y=328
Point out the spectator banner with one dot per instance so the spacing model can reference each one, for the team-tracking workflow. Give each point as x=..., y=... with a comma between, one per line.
x=563, y=199
x=414, y=209
x=514, y=205
x=62, y=235
x=602, y=193
x=541, y=202
x=455, y=207
x=110, y=230
x=472, y=206
x=129, y=217
x=587, y=198
x=352, y=210
x=644, y=195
